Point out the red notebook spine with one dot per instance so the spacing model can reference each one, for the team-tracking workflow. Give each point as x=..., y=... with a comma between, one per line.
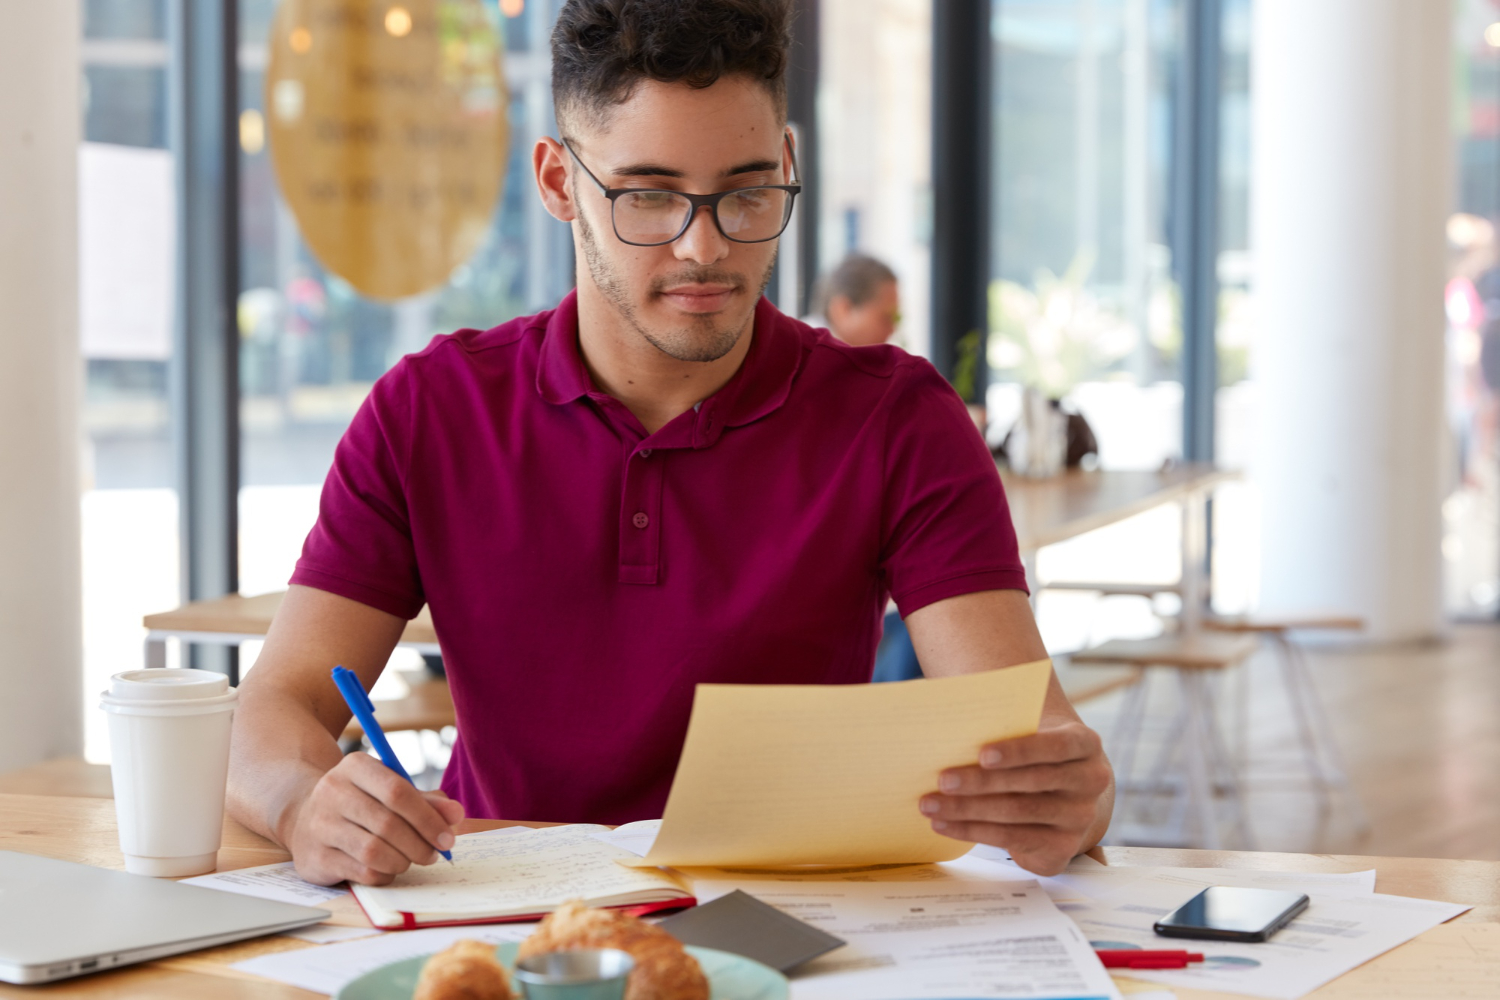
x=409, y=921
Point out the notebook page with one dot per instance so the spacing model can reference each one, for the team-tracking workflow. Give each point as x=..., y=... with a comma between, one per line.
x=523, y=872
x=831, y=774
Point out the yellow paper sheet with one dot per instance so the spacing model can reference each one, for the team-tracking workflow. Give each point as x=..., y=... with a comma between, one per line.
x=831, y=774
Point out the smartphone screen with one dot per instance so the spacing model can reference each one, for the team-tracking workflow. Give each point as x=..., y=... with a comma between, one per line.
x=1227, y=913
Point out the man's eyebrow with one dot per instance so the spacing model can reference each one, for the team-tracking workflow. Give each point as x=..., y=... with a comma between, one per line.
x=754, y=167
x=657, y=170
x=647, y=170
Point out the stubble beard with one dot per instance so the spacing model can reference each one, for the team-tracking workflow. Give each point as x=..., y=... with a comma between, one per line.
x=703, y=338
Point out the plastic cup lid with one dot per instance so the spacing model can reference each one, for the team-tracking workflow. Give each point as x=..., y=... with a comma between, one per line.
x=162, y=684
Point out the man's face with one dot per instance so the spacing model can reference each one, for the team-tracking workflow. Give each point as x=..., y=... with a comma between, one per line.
x=693, y=298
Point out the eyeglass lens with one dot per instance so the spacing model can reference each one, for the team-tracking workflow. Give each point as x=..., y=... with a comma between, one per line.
x=749, y=215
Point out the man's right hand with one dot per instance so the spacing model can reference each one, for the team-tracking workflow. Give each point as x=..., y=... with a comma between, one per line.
x=364, y=823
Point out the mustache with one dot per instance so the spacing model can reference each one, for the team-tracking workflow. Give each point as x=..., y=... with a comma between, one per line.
x=698, y=276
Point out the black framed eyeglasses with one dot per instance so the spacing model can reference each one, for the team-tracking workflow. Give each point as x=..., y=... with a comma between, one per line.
x=649, y=217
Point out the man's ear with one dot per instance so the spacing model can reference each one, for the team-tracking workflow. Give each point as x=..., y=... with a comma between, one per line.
x=549, y=161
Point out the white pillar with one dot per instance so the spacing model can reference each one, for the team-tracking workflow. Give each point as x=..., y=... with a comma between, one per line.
x=1351, y=186
x=40, y=618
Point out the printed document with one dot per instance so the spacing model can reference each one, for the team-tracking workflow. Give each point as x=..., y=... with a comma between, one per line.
x=939, y=937
x=789, y=774
x=279, y=882
x=1337, y=932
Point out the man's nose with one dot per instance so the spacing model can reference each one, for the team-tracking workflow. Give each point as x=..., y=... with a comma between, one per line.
x=702, y=243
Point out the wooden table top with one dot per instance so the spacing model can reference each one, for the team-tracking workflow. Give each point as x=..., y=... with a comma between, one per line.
x=252, y=616
x=83, y=830
x=1054, y=509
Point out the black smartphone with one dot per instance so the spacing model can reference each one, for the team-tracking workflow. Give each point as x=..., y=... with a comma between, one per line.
x=1228, y=913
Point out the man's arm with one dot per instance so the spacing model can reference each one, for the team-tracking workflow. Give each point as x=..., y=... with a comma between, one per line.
x=1045, y=798
x=342, y=817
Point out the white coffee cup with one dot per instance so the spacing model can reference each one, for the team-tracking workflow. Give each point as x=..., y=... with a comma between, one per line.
x=169, y=741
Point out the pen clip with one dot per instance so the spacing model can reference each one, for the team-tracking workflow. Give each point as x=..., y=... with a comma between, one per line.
x=354, y=692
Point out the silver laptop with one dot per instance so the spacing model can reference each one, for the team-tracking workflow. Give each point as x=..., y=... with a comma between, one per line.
x=58, y=919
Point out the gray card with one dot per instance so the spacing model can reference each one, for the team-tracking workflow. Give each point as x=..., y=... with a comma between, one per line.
x=742, y=924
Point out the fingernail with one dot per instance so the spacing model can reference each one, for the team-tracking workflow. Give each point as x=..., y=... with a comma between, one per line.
x=948, y=782
x=445, y=841
x=929, y=806
x=938, y=824
x=989, y=757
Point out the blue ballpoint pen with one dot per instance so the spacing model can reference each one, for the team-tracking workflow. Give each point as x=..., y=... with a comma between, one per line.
x=364, y=712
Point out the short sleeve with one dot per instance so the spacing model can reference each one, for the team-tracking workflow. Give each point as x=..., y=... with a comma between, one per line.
x=946, y=527
x=361, y=546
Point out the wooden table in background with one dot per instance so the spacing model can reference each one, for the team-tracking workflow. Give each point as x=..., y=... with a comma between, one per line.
x=1072, y=503
x=235, y=619
x=83, y=830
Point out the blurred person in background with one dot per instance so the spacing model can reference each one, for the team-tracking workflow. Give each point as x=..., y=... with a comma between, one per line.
x=858, y=301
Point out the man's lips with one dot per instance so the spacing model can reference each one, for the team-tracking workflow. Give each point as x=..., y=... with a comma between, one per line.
x=699, y=298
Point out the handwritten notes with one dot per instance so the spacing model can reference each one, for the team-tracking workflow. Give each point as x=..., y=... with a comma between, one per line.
x=521, y=873
x=831, y=774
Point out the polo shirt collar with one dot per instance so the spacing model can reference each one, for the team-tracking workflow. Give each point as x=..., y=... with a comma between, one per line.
x=761, y=386
x=560, y=374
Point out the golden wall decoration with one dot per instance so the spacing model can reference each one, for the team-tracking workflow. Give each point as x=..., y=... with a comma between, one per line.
x=388, y=131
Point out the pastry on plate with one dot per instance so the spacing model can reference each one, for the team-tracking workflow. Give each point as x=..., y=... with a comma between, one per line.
x=466, y=970
x=663, y=968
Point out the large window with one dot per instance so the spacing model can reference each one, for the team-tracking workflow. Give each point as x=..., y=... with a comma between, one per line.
x=1084, y=296
x=1471, y=512
x=127, y=226
x=1083, y=303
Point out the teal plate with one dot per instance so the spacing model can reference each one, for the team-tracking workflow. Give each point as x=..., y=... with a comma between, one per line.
x=730, y=977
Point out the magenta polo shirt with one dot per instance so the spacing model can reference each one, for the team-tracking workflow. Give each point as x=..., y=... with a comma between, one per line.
x=585, y=576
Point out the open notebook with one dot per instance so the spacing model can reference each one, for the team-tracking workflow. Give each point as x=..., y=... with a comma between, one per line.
x=519, y=874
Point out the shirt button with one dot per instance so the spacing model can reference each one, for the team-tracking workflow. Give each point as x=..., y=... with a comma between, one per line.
x=645, y=452
x=640, y=520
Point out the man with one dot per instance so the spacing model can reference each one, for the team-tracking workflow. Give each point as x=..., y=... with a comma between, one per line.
x=858, y=301
x=661, y=482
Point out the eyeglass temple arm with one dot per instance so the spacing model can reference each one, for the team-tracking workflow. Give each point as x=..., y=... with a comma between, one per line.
x=786, y=137
x=579, y=160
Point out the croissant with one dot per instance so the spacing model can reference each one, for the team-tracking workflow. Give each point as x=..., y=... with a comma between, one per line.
x=663, y=969
x=466, y=970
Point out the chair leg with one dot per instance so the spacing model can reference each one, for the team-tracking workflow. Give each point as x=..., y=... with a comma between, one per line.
x=1331, y=769
x=1242, y=718
x=1311, y=757
x=1199, y=755
x=1224, y=770
x=1125, y=740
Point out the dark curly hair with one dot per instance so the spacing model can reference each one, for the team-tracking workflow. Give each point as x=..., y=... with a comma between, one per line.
x=602, y=48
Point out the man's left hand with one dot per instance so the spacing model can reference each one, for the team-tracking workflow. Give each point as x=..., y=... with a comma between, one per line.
x=1037, y=797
